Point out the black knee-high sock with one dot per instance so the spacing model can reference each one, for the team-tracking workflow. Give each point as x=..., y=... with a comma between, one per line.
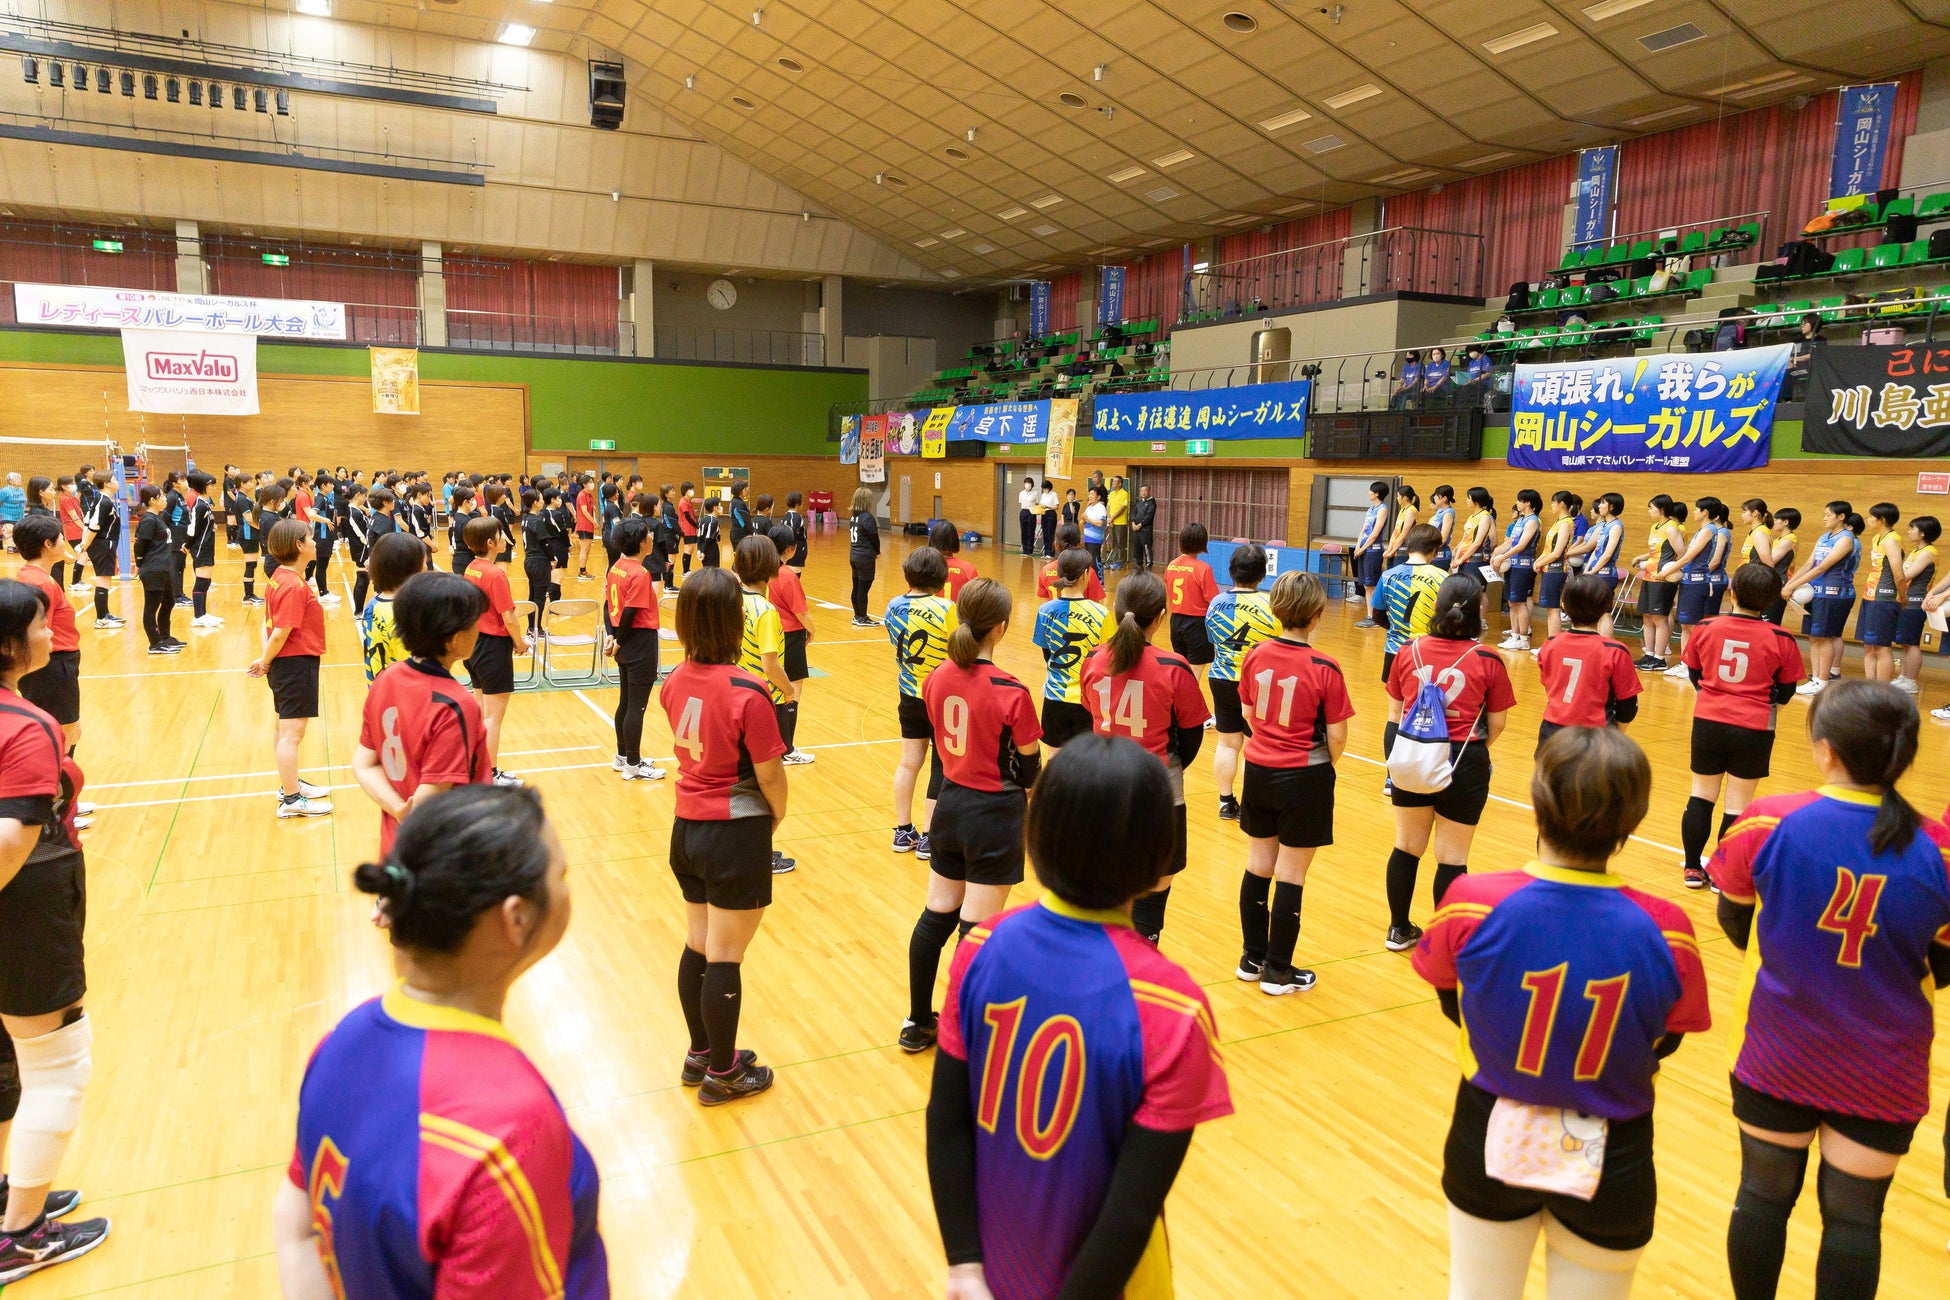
x=361, y=585
x=1401, y=887
x=1447, y=874
x=101, y=602
x=1695, y=827
x=1770, y=1183
x=1252, y=915
x=687, y=561
x=1726, y=823
x=1850, y=1263
x=554, y=591
x=250, y=579
x=690, y=996
x=201, y=597
x=723, y=992
x=1148, y=913
x=1389, y=731
x=1283, y=926
x=788, y=722
x=962, y=927
x=931, y=933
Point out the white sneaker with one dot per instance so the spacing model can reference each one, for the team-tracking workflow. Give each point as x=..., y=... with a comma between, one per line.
x=82, y=823
x=311, y=791
x=1810, y=687
x=1942, y=714
x=1679, y=670
x=206, y=621
x=1907, y=685
x=795, y=757
x=644, y=771
x=619, y=764
x=508, y=780
x=329, y=598
x=303, y=806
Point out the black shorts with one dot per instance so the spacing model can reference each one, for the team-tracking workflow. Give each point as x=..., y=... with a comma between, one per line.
x=1468, y=792
x=204, y=554
x=1294, y=803
x=639, y=652
x=586, y=534
x=1722, y=749
x=558, y=553
x=1517, y=584
x=294, y=685
x=1228, y=718
x=250, y=545
x=1550, y=586
x=1063, y=722
x=794, y=658
x=1828, y=615
x=1618, y=1216
x=1909, y=625
x=1694, y=599
x=977, y=835
x=914, y=719
x=1388, y=665
x=1656, y=598
x=1764, y=1110
x=491, y=668
x=102, y=558
x=1189, y=639
x=1876, y=624
x=57, y=687
x=727, y=864
x=43, y=912
x=1368, y=567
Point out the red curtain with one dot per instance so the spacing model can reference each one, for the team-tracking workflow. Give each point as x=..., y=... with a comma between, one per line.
x=1063, y=294
x=346, y=275
x=1155, y=286
x=550, y=304
x=43, y=252
x=1771, y=159
x=1321, y=228
x=1519, y=213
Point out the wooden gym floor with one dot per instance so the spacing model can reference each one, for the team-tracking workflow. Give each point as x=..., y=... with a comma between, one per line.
x=223, y=943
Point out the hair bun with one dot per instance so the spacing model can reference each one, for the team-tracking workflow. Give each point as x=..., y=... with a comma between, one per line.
x=387, y=880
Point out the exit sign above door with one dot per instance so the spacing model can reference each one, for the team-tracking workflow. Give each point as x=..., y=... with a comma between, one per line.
x=602, y=444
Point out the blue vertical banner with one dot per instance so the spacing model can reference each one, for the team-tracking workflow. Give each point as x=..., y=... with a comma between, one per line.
x=1862, y=124
x=1596, y=168
x=1110, y=296
x=1038, y=308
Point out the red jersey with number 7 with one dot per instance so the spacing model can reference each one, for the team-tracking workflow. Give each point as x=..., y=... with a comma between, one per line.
x=1151, y=704
x=723, y=725
x=981, y=717
x=427, y=730
x=1583, y=674
x=1740, y=658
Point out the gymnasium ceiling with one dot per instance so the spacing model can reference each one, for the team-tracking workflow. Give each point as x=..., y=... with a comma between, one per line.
x=1171, y=141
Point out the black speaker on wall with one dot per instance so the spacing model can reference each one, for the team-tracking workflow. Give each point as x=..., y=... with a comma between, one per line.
x=605, y=95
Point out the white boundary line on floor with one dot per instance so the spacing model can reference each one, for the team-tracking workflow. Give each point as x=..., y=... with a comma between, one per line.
x=336, y=767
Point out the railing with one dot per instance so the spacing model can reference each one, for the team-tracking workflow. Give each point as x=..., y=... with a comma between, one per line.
x=511, y=332
x=724, y=343
x=1679, y=228
x=1400, y=259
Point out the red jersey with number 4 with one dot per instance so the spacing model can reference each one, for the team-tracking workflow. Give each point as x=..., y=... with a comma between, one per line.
x=1049, y=582
x=723, y=725
x=1150, y=704
x=427, y=730
x=1472, y=678
x=1740, y=659
x=1291, y=694
x=1189, y=586
x=1834, y=1005
x=788, y=596
x=290, y=602
x=492, y=579
x=60, y=614
x=960, y=574
x=981, y=717
x=1583, y=673
x=628, y=587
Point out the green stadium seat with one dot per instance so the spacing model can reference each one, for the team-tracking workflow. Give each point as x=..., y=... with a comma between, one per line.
x=1572, y=296
x=1849, y=260
x=1548, y=298
x=1694, y=242
x=1884, y=256
x=1933, y=205
x=1570, y=260
x=1593, y=256
x=1617, y=253
x=1917, y=250
x=1643, y=248
x=1698, y=280
x=1899, y=208
x=1648, y=326
x=1640, y=288
x=1830, y=308
x=1721, y=236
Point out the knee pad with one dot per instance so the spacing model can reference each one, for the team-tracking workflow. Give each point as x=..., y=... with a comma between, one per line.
x=54, y=1072
x=1847, y=1199
x=1770, y=1176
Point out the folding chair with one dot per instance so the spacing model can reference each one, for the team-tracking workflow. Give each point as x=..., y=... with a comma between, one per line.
x=560, y=615
x=524, y=616
x=1625, y=608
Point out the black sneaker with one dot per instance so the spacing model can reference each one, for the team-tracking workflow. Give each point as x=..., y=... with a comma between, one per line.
x=782, y=864
x=59, y=1205
x=918, y=1038
x=47, y=1243
x=698, y=1064
x=1292, y=980
x=747, y=1079
x=1402, y=937
x=1228, y=808
x=1696, y=878
x=1248, y=970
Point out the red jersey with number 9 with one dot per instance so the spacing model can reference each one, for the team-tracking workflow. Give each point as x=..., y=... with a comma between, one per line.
x=427, y=730
x=723, y=725
x=629, y=588
x=981, y=717
x=1150, y=704
x=1740, y=659
x=1583, y=673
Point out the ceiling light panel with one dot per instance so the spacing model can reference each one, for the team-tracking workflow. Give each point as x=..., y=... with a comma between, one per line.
x=929, y=242
x=956, y=233
x=1010, y=214
x=1324, y=143
x=1611, y=9
x=1524, y=36
x=1047, y=201
x=1355, y=96
x=1284, y=120
x=1487, y=159
x=1671, y=37
x=516, y=34
x=983, y=248
x=1173, y=158
x=1662, y=115
x=1161, y=194
x=1130, y=173
x=1045, y=230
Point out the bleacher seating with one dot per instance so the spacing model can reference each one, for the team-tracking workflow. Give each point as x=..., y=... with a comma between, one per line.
x=1055, y=365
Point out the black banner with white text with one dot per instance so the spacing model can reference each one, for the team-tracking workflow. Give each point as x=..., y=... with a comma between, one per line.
x=1879, y=401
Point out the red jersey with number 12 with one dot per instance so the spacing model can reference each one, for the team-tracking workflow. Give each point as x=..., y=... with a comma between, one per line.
x=1740, y=659
x=1583, y=673
x=427, y=730
x=723, y=725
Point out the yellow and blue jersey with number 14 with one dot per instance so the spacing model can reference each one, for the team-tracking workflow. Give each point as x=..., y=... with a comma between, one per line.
x=1236, y=622
x=919, y=627
x=1066, y=632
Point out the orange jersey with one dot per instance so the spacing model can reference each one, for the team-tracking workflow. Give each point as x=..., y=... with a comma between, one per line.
x=1189, y=586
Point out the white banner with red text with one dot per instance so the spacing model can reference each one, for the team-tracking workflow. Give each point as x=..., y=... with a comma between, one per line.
x=176, y=373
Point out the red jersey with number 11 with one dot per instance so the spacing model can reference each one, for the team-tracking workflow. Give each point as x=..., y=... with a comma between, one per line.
x=1740, y=659
x=1583, y=673
x=427, y=730
x=723, y=725
x=1291, y=694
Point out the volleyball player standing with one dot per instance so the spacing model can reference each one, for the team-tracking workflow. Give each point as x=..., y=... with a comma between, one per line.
x=919, y=623
x=1237, y=620
x=1888, y=585
x=986, y=731
x=1189, y=589
x=491, y=667
x=1919, y=573
x=1830, y=574
x=630, y=612
x=1589, y=679
x=1069, y=627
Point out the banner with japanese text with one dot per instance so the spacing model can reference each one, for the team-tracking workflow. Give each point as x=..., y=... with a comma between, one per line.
x=1879, y=401
x=84, y=306
x=904, y=432
x=873, y=449
x=934, y=433
x=1862, y=119
x=1110, y=296
x=850, y=439
x=1693, y=412
x=1596, y=168
x=1004, y=422
x=1062, y=437
x=1038, y=308
x=1249, y=411
x=395, y=381
x=174, y=373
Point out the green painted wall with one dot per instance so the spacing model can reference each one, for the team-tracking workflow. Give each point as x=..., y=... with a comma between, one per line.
x=645, y=407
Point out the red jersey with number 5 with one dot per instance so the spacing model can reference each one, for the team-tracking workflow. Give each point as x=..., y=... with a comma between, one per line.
x=723, y=725
x=1583, y=674
x=1833, y=1009
x=1291, y=694
x=1189, y=586
x=1740, y=658
x=1153, y=702
x=981, y=717
x=426, y=728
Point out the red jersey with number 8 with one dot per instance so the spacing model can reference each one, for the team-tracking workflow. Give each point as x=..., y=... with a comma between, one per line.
x=1150, y=704
x=1583, y=673
x=981, y=717
x=723, y=725
x=1291, y=694
x=427, y=730
x=1740, y=659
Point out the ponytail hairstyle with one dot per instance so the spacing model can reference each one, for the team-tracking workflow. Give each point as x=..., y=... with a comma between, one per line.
x=1870, y=727
x=1855, y=524
x=1789, y=516
x=1674, y=510
x=1140, y=603
x=1457, y=613
x=1759, y=507
x=1408, y=494
x=457, y=856
x=983, y=606
x=1482, y=500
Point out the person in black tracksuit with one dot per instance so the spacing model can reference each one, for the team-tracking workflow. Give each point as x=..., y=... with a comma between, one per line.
x=462, y=514
x=863, y=554
x=155, y=562
x=358, y=541
x=673, y=533
x=178, y=516
x=537, y=552
x=562, y=514
x=270, y=509
x=201, y=544
x=795, y=519
x=495, y=495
